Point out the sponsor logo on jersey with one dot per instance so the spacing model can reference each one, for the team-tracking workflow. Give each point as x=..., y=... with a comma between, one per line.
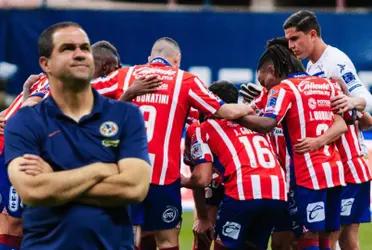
x=14, y=201
x=346, y=206
x=308, y=85
x=170, y=214
x=109, y=129
x=312, y=103
x=352, y=87
x=110, y=143
x=342, y=67
x=271, y=103
x=348, y=77
x=315, y=212
x=231, y=229
x=323, y=103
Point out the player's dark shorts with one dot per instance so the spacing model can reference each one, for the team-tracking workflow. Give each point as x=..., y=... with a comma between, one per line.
x=247, y=222
x=284, y=223
x=355, y=203
x=162, y=207
x=9, y=197
x=315, y=210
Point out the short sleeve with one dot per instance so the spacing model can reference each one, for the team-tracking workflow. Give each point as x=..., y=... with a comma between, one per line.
x=278, y=102
x=22, y=135
x=109, y=86
x=199, y=149
x=200, y=97
x=133, y=141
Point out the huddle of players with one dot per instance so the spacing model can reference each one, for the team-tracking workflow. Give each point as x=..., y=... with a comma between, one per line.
x=312, y=154
x=252, y=170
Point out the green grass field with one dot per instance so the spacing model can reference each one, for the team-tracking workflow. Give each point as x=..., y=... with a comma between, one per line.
x=186, y=234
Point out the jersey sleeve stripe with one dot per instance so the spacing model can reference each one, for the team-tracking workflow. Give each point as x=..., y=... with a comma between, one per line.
x=106, y=78
x=206, y=152
x=108, y=90
x=127, y=78
x=193, y=95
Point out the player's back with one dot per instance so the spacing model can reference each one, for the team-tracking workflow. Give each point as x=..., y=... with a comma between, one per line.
x=251, y=169
x=165, y=111
x=305, y=100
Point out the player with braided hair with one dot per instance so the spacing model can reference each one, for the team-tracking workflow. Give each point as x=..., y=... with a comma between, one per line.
x=301, y=103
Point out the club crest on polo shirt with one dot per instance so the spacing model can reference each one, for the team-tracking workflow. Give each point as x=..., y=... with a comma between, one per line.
x=109, y=129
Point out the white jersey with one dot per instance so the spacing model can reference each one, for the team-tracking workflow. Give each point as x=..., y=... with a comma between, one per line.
x=334, y=63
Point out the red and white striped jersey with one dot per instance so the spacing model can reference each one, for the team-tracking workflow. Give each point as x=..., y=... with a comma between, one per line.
x=164, y=111
x=39, y=88
x=303, y=103
x=276, y=136
x=251, y=169
x=190, y=145
x=355, y=165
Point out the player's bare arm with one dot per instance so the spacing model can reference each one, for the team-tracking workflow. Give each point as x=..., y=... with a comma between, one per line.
x=258, y=123
x=365, y=122
x=330, y=135
x=129, y=185
x=143, y=85
x=232, y=111
x=37, y=184
x=343, y=103
x=202, y=224
x=201, y=176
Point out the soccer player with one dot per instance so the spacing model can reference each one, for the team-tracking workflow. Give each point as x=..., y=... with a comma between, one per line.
x=302, y=104
x=208, y=199
x=303, y=33
x=103, y=163
x=254, y=181
x=304, y=38
x=165, y=112
x=355, y=197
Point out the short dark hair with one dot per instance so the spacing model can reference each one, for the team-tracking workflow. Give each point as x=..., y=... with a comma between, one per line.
x=304, y=21
x=169, y=40
x=45, y=42
x=104, y=46
x=283, y=59
x=225, y=90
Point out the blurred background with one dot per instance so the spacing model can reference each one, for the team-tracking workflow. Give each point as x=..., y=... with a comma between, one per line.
x=220, y=39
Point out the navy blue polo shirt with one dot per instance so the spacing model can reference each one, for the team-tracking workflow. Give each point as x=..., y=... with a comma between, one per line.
x=112, y=131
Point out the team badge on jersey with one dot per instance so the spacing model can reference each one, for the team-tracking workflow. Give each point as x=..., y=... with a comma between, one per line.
x=312, y=103
x=109, y=129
